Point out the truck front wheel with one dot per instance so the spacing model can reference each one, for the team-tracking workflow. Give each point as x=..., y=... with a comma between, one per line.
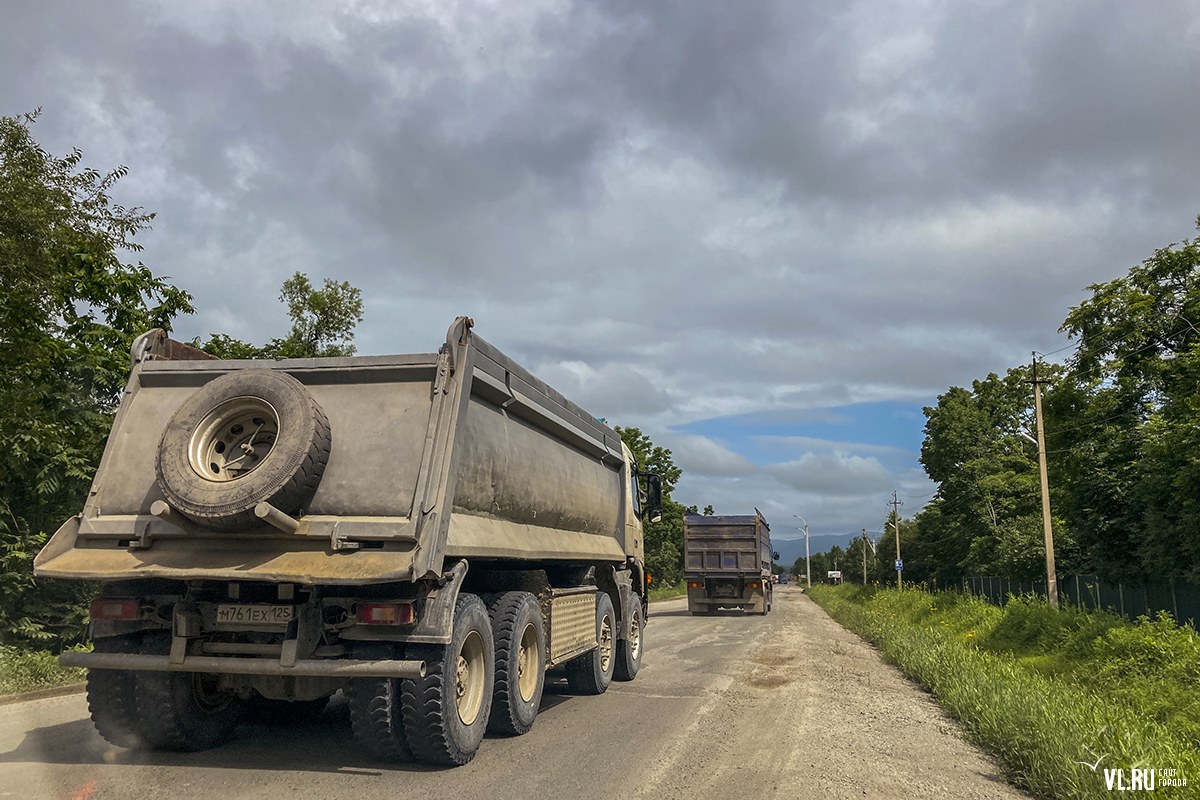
x=520, y=662
x=592, y=673
x=446, y=712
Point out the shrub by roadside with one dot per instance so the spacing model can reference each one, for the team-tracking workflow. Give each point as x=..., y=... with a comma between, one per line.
x=27, y=671
x=668, y=591
x=1043, y=690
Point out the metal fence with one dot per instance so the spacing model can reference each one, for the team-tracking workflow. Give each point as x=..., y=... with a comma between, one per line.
x=1177, y=597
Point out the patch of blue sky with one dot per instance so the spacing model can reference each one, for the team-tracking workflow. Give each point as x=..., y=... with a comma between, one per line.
x=890, y=431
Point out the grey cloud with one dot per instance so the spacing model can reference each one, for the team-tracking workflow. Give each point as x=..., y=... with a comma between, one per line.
x=669, y=211
x=701, y=456
x=833, y=475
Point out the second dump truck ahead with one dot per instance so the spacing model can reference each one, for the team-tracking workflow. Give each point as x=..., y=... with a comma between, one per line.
x=727, y=563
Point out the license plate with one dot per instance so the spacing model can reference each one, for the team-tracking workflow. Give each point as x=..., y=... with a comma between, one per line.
x=256, y=614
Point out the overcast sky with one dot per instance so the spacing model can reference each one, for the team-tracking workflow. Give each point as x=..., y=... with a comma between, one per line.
x=767, y=233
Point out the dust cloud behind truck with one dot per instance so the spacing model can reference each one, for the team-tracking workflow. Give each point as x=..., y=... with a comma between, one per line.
x=727, y=563
x=428, y=533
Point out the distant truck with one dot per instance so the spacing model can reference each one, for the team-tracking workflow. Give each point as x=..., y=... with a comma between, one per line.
x=727, y=563
x=427, y=533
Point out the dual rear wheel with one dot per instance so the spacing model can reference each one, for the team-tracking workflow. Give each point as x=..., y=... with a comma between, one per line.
x=489, y=677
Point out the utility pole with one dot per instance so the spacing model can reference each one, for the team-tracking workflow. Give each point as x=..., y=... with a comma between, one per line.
x=896, y=510
x=807, y=572
x=1051, y=576
x=864, y=530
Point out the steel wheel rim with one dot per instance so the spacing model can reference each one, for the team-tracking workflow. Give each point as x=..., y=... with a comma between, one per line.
x=635, y=636
x=469, y=678
x=606, y=643
x=528, y=654
x=233, y=439
x=208, y=694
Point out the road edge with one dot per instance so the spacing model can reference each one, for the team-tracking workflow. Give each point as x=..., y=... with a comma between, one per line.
x=41, y=694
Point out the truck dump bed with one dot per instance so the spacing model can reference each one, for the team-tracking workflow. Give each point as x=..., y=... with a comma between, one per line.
x=450, y=454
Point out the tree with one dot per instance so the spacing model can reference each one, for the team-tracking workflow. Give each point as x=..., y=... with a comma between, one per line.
x=323, y=322
x=986, y=515
x=663, y=540
x=1124, y=420
x=71, y=310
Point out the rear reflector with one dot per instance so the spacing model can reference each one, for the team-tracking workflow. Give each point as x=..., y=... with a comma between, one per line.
x=753, y=585
x=114, y=609
x=695, y=585
x=385, y=613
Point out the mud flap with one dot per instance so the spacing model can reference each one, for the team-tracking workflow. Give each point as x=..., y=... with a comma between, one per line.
x=435, y=625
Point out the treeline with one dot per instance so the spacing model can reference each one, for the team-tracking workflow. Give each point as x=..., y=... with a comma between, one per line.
x=1122, y=441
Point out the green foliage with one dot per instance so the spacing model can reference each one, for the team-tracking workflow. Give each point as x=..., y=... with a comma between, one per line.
x=71, y=310
x=323, y=322
x=664, y=540
x=1122, y=440
x=31, y=670
x=1124, y=426
x=986, y=517
x=1041, y=689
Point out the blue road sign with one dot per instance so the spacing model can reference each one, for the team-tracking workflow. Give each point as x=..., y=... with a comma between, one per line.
x=899, y=564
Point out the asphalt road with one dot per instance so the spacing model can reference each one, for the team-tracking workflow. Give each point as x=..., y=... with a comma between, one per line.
x=786, y=705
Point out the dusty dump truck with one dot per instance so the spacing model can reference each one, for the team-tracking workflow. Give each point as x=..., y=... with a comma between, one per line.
x=727, y=563
x=427, y=533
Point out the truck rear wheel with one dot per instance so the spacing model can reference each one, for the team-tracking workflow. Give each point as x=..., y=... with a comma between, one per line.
x=377, y=720
x=520, y=662
x=112, y=696
x=592, y=673
x=629, y=653
x=446, y=712
x=185, y=711
x=250, y=436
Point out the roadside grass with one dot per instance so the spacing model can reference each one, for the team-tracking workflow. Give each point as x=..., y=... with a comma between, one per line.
x=668, y=591
x=30, y=670
x=1043, y=690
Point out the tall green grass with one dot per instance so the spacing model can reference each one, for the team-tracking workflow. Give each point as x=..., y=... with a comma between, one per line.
x=30, y=670
x=1042, y=689
x=668, y=591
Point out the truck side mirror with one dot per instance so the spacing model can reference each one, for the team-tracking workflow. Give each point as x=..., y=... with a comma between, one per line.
x=775, y=556
x=654, y=500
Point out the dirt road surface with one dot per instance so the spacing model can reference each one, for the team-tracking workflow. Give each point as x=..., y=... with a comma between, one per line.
x=784, y=706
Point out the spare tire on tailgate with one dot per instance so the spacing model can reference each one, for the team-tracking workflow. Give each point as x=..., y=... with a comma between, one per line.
x=249, y=436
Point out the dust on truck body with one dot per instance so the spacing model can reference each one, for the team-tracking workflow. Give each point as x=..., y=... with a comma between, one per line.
x=727, y=563
x=428, y=533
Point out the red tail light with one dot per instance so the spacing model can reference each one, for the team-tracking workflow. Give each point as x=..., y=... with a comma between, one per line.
x=753, y=584
x=386, y=613
x=114, y=609
x=695, y=584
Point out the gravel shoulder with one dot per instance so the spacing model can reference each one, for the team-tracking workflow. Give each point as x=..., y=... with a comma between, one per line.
x=814, y=711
